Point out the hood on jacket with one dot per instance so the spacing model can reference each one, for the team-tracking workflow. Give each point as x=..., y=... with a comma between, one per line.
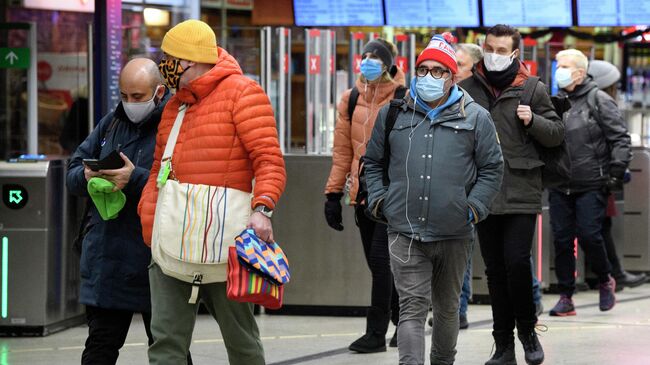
x=382, y=90
x=453, y=109
x=203, y=85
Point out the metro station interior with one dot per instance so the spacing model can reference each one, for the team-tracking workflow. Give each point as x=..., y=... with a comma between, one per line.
x=59, y=71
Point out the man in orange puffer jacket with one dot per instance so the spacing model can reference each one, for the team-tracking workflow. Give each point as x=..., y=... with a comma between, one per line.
x=228, y=137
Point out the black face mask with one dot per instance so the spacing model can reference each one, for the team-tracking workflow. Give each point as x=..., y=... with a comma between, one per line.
x=502, y=79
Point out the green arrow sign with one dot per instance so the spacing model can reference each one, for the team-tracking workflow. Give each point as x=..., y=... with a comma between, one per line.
x=14, y=57
x=15, y=196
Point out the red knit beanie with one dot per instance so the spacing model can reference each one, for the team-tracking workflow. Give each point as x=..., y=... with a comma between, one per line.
x=440, y=50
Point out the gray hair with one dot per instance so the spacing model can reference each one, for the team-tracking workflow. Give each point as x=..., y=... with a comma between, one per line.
x=473, y=50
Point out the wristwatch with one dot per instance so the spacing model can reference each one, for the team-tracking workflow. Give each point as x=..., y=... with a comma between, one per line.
x=264, y=210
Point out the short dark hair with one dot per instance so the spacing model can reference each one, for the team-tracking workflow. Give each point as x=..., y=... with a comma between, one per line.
x=501, y=30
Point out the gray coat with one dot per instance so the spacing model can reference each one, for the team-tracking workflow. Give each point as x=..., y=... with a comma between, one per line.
x=521, y=191
x=598, y=142
x=438, y=169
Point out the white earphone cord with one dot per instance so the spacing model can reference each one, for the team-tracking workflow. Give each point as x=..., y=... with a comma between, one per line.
x=408, y=187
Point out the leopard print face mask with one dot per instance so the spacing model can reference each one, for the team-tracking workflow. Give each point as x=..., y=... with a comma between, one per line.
x=171, y=71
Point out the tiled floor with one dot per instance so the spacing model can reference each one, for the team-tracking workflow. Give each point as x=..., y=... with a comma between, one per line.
x=618, y=337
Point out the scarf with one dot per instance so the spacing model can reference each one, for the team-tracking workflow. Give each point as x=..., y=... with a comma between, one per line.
x=502, y=79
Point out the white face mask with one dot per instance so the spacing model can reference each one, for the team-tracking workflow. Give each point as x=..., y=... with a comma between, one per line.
x=497, y=62
x=138, y=112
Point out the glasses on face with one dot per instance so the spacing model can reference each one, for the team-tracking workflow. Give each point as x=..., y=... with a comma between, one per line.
x=436, y=72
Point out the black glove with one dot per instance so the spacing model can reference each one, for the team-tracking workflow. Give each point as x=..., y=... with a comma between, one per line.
x=614, y=184
x=333, y=210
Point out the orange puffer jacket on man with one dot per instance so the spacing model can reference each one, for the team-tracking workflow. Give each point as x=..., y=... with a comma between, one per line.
x=350, y=139
x=228, y=137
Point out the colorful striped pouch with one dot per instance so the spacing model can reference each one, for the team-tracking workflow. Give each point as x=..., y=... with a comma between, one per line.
x=247, y=286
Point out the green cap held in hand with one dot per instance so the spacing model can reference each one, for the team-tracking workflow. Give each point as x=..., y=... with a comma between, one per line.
x=107, y=201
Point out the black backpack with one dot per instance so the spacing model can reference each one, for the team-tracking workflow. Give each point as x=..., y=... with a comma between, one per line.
x=557, y=162
x=400, y=92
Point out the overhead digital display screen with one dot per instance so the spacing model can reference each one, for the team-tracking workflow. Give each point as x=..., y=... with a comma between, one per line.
x=530, y=13
x=613, y=12
x=597, y=13
x=318, y=13
x=633, y=12
x=432, y=13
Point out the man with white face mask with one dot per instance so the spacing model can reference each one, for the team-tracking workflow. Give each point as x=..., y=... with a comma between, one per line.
x=506, y=236
x=114, y=259
x=599, y=147
x=444, y=167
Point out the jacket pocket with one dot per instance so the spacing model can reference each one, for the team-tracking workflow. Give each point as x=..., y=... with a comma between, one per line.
x=523, y=183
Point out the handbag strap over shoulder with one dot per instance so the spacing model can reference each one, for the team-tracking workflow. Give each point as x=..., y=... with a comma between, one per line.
x=166, y=161
x=173, y=135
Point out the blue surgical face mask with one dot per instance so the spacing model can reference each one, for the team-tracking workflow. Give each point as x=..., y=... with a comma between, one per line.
x=371, y=69
x=430, y=89
x=563, y=77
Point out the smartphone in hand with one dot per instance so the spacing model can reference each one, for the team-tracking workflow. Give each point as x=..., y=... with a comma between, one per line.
x=111, y=162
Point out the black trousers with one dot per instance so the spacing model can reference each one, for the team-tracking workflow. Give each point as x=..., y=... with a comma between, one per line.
x=506, y=241
x=384, y=303
x=107, y=330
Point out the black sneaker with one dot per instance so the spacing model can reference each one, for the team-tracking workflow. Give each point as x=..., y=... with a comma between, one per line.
x=462, y=321
x=504, y=354
x=369, y=343
x=393, y=340
x=629, y=280
x=534, y=354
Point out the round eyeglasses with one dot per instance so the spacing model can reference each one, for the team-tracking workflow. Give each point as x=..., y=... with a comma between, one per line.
x=436, y=72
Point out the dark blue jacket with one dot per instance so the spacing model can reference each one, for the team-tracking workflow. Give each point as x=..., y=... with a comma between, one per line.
x=114, y=258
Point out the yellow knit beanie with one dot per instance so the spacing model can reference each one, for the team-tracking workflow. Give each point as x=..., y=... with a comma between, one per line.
x=191, y=40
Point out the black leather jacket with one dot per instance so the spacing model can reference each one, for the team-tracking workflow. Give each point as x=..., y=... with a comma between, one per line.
x=597, y=138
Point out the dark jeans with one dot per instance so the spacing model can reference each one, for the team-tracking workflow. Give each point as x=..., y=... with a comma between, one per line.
x=578, y=215
x=107, y=330
x=384, y=303
x=506, y=241
x=610, y=247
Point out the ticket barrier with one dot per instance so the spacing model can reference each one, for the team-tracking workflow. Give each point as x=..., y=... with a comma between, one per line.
x=329, y=274
x=635, y=252
x=39, y=270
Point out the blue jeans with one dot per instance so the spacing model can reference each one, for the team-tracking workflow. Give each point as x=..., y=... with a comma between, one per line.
x=537, y=288
x=578, y=215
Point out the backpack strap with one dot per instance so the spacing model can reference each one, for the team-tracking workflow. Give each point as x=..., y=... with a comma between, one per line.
x=391, y=117
x=529, y=90
x=592, y=103
x=352, y=102
x=400, y=92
